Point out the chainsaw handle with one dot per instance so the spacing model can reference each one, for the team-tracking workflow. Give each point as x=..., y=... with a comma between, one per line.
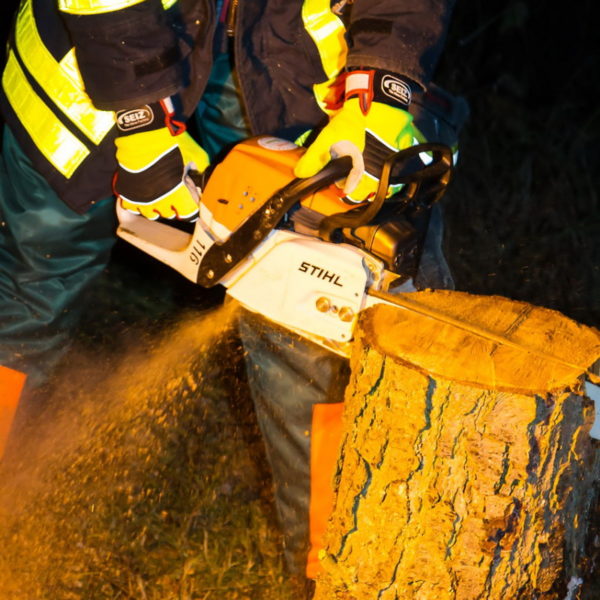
x=334, y=170
x=430, y=181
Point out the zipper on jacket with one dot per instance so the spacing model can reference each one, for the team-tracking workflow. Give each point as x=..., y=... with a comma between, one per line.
x=231, y=14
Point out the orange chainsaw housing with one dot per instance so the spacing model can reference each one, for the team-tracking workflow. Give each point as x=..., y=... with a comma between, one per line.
x=252, y=172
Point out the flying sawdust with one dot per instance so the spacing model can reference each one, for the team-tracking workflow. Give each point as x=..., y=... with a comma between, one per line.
x=103, y=493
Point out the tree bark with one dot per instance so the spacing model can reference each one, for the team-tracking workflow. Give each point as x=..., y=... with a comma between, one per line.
x=466, y=468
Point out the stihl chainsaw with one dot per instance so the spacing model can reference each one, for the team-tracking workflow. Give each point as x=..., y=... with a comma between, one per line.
x=294, y=250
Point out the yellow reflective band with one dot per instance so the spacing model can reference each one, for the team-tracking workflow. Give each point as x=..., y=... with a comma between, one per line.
x=49, y=135
x=94, y=7
x=61, y=81
x=327, y=32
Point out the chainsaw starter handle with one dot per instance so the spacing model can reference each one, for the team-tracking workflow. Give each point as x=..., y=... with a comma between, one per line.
x=426, y=185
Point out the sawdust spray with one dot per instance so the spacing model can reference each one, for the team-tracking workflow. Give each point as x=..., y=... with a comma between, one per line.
x=109, y=461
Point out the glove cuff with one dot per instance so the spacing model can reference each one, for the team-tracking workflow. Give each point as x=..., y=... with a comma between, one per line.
x=150, y=117
x=379, y=85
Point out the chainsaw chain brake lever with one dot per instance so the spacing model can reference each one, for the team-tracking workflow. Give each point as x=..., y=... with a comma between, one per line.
x=425, y=185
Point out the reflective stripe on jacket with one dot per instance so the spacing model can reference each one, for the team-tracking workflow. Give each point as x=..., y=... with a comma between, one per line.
x=72, y=62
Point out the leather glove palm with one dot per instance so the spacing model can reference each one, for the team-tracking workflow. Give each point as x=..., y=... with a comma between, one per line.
x=153, y=163
x=368, y=132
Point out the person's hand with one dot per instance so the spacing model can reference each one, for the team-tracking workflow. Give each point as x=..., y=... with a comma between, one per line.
x=368, y=131
x=153, y=163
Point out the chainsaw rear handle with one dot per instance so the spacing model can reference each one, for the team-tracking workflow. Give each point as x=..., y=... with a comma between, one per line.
x=425, y=185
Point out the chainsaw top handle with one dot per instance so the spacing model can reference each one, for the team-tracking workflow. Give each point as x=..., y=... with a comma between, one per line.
x=423, y=185
x=334, y=170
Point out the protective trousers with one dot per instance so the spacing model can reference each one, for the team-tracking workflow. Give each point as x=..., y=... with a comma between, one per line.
x=298, y=391
x=48, y=256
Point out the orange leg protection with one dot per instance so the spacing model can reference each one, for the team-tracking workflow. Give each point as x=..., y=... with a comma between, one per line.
x=11, y=386
x=324, y=451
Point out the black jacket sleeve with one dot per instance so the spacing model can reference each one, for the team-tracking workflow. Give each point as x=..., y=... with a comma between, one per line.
x=127, y=57
x=403, y=36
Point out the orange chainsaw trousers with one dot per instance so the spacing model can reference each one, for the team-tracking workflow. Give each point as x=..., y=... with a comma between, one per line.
x=11, y=386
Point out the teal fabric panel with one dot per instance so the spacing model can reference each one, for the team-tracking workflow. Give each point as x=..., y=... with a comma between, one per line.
x=219, y=118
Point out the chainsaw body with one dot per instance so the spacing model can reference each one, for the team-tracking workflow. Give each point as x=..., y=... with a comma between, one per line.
x=292, y=249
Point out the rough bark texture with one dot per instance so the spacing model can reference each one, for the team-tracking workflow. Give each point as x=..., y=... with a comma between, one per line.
x=466, y=469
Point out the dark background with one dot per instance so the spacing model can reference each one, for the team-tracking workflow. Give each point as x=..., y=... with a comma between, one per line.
x=522, y=213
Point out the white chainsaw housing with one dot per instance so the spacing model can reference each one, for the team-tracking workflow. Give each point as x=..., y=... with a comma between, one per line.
x=303, y=283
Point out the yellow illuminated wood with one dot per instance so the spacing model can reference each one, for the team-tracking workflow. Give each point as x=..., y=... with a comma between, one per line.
x=466, y=468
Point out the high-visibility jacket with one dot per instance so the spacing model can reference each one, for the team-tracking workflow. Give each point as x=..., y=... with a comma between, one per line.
x=71, y=63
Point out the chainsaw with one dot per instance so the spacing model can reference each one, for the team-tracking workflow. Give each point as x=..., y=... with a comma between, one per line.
x=295, y=250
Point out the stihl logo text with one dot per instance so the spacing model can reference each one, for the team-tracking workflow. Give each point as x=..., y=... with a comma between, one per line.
x=320, y=273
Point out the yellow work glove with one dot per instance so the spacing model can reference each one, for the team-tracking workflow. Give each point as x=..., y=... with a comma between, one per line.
x=154, y=155
x=368, y=131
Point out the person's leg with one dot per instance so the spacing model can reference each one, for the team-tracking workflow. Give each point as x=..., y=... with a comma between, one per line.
x=48, y=256
x=298, y=389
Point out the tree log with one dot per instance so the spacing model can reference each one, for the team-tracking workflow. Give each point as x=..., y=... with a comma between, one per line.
x=466, y=468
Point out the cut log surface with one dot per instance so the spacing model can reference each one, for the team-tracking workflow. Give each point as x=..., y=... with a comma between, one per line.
x=466, y=468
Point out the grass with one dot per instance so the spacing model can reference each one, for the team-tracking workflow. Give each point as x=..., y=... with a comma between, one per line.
x=144, y=479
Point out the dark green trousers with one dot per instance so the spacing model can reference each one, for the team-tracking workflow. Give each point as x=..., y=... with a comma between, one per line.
x=48, y=256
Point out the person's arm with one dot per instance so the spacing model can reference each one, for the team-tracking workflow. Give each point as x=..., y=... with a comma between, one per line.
x=127, y=51
x=402, y=36
x=130, y=63
x=394, y=46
